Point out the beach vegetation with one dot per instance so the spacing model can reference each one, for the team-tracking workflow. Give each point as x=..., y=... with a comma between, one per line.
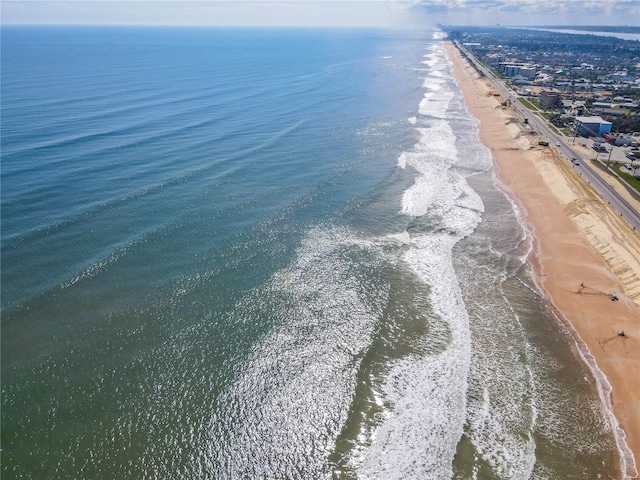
x=527, y=103
x=536, y=103
x=631, y=180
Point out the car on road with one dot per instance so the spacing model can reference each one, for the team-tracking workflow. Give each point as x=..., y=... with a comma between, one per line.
x=575, y=161
x=557, y=144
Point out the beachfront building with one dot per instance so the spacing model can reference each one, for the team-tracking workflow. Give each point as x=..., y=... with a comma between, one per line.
x=549, y=99
x=525, y=70
x=592, y=126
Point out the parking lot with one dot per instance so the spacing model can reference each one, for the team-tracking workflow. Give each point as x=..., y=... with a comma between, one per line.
x=617, y=154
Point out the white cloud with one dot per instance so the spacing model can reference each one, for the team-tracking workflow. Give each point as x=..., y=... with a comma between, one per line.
x=390, y=13
x=265, y=12
x=529, y=12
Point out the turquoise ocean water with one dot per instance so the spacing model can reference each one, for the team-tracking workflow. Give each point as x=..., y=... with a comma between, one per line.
x=236, y=253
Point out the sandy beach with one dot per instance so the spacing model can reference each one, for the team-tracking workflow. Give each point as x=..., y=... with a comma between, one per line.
x=584, y=255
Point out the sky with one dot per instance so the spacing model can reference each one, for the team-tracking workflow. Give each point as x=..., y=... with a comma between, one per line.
x=312, y=13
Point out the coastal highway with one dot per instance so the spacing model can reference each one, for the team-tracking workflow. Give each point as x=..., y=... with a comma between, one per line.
x=608, y=193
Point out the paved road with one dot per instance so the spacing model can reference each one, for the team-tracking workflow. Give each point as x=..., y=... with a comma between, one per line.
x=599, y=185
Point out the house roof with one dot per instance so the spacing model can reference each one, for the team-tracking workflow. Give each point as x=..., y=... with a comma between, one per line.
x=592, y=120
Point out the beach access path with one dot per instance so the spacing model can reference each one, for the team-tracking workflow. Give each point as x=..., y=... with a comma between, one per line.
x=584, y=256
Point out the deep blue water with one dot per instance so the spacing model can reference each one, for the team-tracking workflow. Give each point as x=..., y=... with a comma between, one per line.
x=236, y=253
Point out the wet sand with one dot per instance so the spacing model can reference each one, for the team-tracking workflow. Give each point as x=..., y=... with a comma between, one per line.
x=583, y=255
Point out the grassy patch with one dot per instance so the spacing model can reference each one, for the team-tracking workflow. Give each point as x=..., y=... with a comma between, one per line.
x=527, y=103
x=536, y=104
x=630, y=179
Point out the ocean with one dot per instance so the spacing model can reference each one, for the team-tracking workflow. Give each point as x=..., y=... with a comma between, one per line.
x=269, y=254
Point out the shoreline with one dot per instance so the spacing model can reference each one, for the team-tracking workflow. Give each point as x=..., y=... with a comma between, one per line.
x=583, y=254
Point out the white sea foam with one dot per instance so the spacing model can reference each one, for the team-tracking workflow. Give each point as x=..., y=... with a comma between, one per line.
x=438, y=35
x=435, y=104
x=432, y=158
x=418, y=437
x=403, y=237
x=438, y=94
x=421, y=433
x=402, y=160
x=293, y=393
x=433, y=85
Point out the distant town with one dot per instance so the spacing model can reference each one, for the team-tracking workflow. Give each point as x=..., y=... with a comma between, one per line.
x=583, y=84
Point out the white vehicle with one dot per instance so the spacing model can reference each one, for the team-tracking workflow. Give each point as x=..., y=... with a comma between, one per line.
x=557, y=144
